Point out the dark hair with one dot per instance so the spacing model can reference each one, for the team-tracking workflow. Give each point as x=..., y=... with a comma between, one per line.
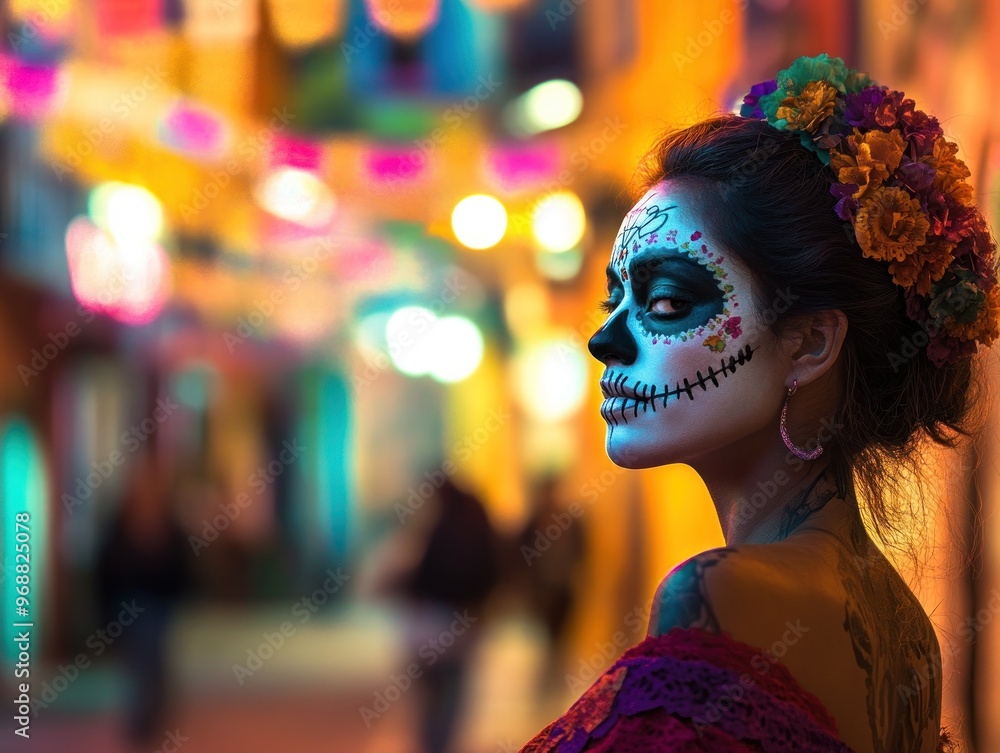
x=767, y=199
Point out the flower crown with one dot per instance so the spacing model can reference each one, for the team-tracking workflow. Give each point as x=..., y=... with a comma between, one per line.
x=903, y=190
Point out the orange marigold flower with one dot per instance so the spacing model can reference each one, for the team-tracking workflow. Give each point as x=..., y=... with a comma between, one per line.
x=923, y=268
x=867, y=160
x=950, y=172
x=890, y=224
x=810, y=107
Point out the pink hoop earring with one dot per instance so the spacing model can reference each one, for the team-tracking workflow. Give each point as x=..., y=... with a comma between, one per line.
x=797, y=451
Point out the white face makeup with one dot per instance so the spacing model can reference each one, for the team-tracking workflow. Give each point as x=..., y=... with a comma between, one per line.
x=679, y=342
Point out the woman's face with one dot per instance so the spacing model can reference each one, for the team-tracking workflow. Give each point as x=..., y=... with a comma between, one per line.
x=689, y=363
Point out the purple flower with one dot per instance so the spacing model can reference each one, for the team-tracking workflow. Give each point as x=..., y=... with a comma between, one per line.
x=943, y=349
x=919, y=128
x=847, y=206
x=949, y=219
x=749, y=109
x=831, y=132
x=917, y=176
x=886, y=112
x=916, y=306
x=975, y=248
x=859, y=109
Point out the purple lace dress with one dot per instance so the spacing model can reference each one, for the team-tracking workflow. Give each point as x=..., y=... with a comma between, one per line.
x=694, y=692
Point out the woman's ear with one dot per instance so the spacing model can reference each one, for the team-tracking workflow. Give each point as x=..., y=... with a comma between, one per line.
x=813, y=343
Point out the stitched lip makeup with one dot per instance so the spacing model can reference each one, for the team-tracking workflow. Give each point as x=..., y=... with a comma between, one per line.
x=616, y=386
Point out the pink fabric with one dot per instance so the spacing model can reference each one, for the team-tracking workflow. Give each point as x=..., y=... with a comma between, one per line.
x=694, y=692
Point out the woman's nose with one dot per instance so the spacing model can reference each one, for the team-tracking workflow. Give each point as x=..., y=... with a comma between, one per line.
x=614, y=340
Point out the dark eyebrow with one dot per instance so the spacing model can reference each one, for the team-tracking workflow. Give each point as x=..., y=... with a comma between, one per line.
x=656, y=258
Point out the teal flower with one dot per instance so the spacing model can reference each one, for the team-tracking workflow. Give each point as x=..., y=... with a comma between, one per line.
x=793, y=84
x=792, y=80
x=822, y=67
x=956, y=295
x=856, y=81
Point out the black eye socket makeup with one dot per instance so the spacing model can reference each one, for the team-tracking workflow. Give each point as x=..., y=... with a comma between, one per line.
x=670, y=265
x=677, y=288
x=667, y=274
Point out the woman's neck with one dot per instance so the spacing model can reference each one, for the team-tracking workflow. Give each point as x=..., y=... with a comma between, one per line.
x=766, y=504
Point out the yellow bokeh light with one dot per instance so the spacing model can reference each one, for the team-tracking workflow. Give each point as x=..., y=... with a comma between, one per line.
x=550, y=378
x=296, y=195
x=550, y=104
x=559, y=221
x=129, y=214
x=479, y=221
x=457, y=347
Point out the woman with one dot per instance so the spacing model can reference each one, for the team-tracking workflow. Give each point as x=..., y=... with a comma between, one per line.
x=794, y=303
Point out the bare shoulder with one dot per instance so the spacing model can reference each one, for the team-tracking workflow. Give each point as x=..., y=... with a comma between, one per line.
x=747, y=591
x=845, y=626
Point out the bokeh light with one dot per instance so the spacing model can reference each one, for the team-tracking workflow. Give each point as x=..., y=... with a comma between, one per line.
x=559, y=265
x=301, y=23
x=410, y=339
x=457, y=346
x=296, y=195
x=550, y=378
x=559, y=221
x=547, y=106
x=129, y=214
x=479, y=221
x=405, y=19
x=130, y=283
x=526, y=308
x=419, y=343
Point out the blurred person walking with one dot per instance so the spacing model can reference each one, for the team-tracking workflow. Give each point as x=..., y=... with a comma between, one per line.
x=452, y=570
x=551, y=548
x=142, y=562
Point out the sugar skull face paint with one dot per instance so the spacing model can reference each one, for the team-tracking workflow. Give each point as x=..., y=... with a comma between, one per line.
x=679, y=338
